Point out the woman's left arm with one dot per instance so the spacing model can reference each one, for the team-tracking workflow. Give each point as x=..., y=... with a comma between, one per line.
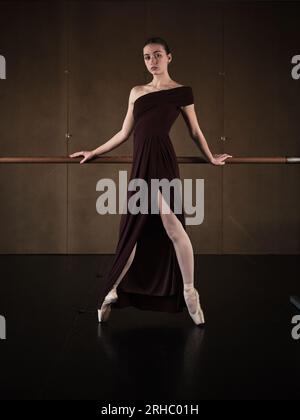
x=190, y=117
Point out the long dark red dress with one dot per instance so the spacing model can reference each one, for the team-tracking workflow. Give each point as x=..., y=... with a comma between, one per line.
x=154, y=280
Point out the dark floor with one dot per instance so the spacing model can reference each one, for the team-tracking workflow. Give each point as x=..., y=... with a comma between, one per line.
x=55, y=351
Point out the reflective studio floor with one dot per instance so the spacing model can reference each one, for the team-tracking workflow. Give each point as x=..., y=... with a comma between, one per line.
x=55, y=348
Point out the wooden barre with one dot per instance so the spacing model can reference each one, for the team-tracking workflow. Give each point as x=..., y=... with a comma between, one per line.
x=128, y=159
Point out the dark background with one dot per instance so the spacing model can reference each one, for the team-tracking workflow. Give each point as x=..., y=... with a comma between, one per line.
x=70, y=68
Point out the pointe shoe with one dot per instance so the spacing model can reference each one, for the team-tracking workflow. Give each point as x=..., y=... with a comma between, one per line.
x=196, y=316
x=104, y=311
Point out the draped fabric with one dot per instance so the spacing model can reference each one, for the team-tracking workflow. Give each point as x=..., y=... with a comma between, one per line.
x=154, y=280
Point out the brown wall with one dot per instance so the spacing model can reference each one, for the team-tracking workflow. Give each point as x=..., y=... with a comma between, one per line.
x=237, y=58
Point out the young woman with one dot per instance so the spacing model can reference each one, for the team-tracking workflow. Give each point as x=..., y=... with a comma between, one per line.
x=154, y=256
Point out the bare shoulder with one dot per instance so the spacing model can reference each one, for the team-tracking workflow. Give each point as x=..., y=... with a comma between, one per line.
x=134, y=93
x=137, y=91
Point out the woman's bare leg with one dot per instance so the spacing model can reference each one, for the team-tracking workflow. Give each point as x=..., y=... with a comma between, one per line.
x=112, y=296
x=124, y=271
x=182, y=245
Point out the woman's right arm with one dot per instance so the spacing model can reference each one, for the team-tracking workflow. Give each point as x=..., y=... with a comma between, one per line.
x=118, y=138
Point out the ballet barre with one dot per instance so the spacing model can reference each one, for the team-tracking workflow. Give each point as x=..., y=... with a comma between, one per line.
x=128, y=159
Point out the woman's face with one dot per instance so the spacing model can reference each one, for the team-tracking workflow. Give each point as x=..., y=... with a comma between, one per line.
x=156, y=59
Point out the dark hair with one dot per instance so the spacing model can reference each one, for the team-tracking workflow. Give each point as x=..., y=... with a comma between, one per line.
x=158, y=40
